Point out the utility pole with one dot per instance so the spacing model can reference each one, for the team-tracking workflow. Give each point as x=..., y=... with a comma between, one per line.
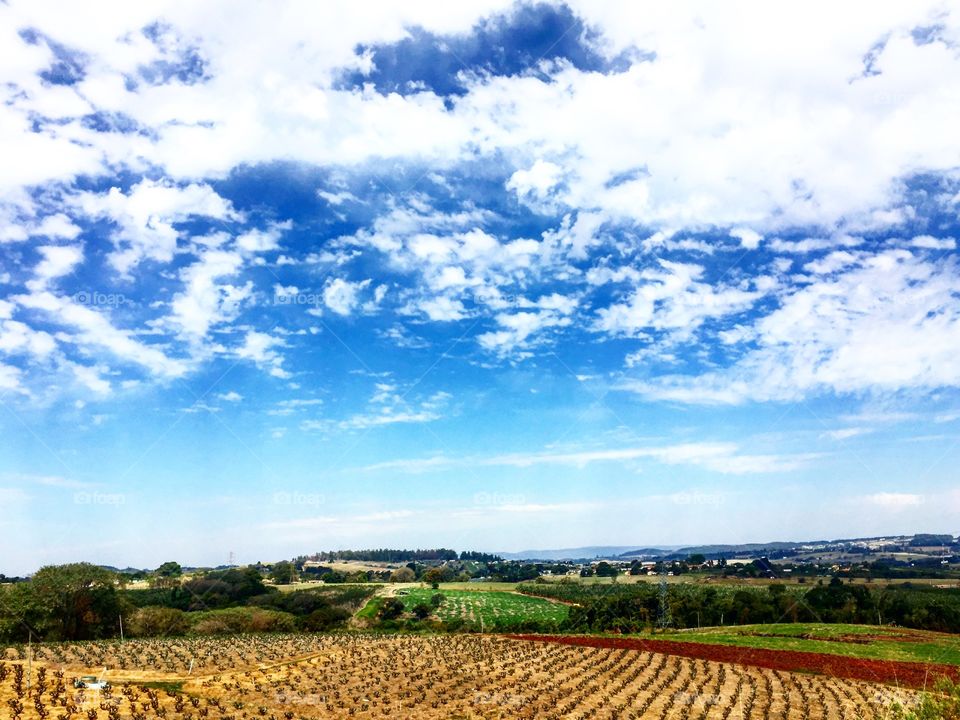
x=121, y=629
x=29, y=658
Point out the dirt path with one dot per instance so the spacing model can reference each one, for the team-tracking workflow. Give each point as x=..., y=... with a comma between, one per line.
x=907, y=674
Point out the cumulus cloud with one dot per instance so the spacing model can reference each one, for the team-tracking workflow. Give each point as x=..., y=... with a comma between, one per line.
x=147, y=215
x=260, y=348
x=888, y=323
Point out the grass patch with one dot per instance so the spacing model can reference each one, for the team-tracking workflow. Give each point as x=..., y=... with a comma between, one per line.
x=860, y=641
x=172, y=686
x=370, y=610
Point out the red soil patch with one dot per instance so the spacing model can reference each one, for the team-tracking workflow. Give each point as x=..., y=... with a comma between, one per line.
x=905, y=674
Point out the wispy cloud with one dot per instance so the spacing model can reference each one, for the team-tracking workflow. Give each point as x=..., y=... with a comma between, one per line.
x=721, y=457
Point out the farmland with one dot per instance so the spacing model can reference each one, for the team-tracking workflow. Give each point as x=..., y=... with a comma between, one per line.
x=861, y=641
x=486, y=609
x=376, y=676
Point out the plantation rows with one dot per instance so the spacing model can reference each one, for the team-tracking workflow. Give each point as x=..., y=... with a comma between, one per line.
x=491, y=607
x=207, y=654
x=445, y=676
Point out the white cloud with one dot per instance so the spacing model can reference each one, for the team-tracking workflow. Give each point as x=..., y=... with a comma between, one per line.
x=673, y=298
x=847, y=433
x=147, y=216
x=204, y=302
x=724, y=458
x=57, y=226
x=342, y=296
x=889, y=323
x=443, y=309
x=932, y=243
x=836, y=260
x=91, y=379
x=58, y=260
x=17, y=337
x=388, y=407
x=756, y=151
x=289, y=407
x=93, y=330
x=258, y=347
x=535, y=185
x=749, y=239
x=257, y=241
x=894, y=501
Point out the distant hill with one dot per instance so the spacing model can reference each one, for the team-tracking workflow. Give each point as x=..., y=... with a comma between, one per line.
x=679, y=552
x=589, y=552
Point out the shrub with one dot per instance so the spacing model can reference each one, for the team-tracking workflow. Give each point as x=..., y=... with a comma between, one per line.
x=153, y=621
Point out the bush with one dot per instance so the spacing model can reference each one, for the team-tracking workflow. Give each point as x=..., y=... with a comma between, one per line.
x=325, y=619
x=241, y=620
x=156, y=621
x=390, y=609
x=422, y=610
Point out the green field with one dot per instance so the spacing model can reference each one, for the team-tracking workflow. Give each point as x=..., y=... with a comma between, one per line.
x=486, y=608
x=862, y=641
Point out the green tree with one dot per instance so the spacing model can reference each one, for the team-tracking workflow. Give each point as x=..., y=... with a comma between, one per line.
x=169, y=569
x=75, y=602
x=605, y=569
x=167, y=575
x=390, y=609
x=283, y=572
x=422, y=611
x=326, y=618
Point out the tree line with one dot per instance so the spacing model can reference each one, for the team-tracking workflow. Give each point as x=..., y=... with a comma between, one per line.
x=81, y=601
x=632, y=608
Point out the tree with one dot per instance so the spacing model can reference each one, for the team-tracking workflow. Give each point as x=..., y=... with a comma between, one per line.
x=438, y=575
x=75, y=602
x=390, y=609
x=422, y=611
x=605, y=569
x=325, y=618
x=169, y=569
x=167, y=575
x=283, y=572
x=403, y=575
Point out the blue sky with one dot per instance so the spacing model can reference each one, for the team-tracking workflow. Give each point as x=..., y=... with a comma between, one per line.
x=500, y=277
